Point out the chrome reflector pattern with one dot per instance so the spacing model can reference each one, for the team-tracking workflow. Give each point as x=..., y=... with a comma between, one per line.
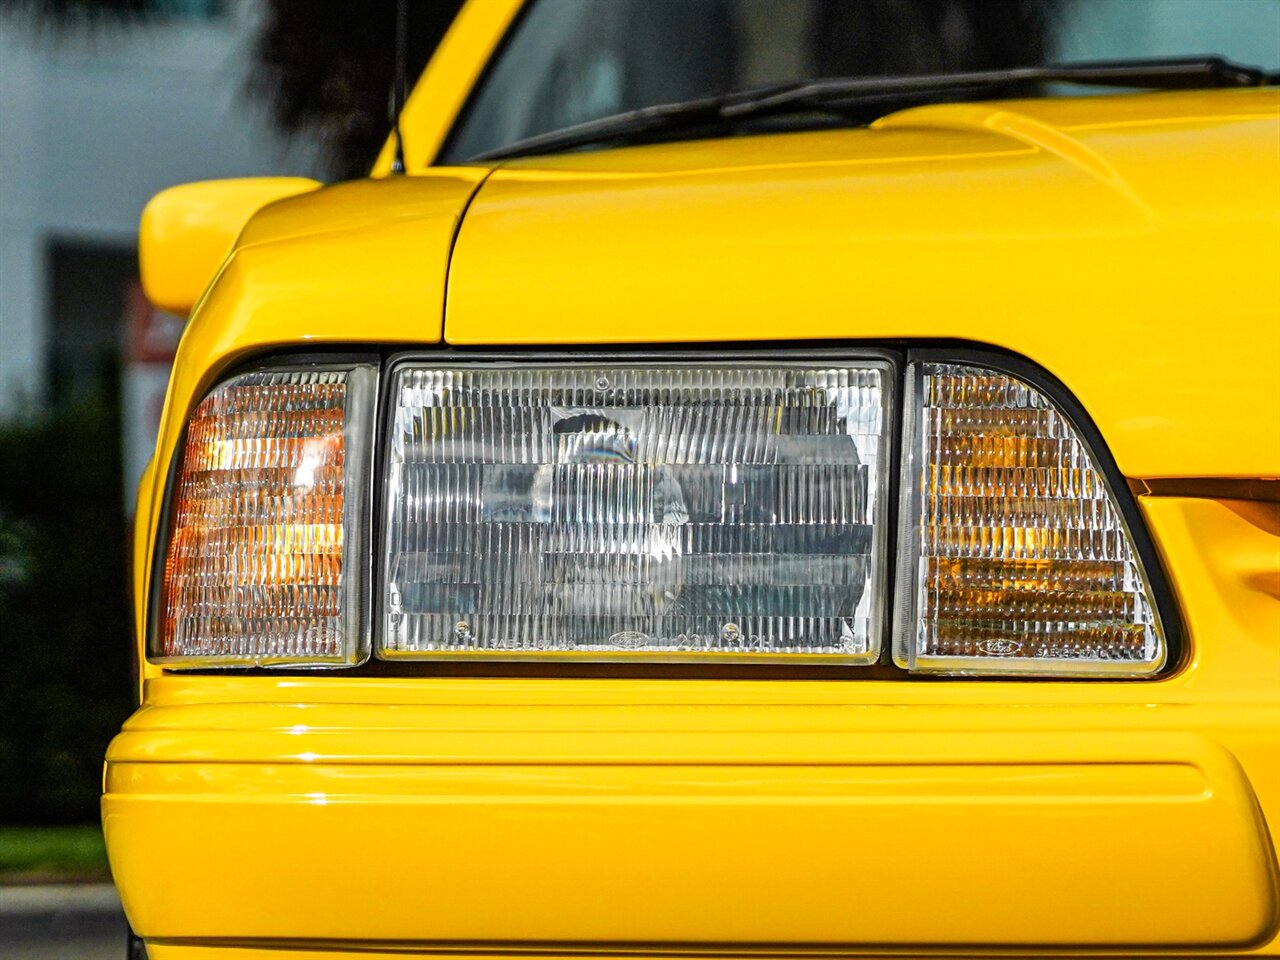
x=635, y=512
x=259, y=566
x=1018, y=559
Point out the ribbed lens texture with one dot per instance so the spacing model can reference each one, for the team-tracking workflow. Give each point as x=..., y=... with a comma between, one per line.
x=254, y=568
x=1024, y=556
x=613, y=511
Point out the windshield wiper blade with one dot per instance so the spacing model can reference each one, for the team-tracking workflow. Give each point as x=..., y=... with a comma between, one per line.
x=666, y=116
x=837, y=94
x=1173, y=73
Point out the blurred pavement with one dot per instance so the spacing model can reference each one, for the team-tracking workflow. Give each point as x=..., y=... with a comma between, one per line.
x=62, y=922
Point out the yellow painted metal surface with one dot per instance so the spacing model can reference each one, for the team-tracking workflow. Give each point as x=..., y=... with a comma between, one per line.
x=1127, y=244
x=361, y=262
x=188, y=230
x=966, y=813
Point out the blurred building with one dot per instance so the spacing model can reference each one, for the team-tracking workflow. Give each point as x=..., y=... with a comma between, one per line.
x=93, y=121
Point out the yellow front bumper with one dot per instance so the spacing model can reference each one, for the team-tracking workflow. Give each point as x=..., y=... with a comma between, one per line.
x=605, y=815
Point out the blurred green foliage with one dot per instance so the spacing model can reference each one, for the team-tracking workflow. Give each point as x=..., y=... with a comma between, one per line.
x=64, y=611
x=60, y=852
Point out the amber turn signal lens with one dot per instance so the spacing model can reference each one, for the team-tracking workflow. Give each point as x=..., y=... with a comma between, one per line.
x=1014, y=556
x=260, y=567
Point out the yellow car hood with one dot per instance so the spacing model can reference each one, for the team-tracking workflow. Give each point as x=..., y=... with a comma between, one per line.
x=1130, y=245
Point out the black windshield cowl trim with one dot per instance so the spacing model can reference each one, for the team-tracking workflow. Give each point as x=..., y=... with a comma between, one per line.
x=852, y=96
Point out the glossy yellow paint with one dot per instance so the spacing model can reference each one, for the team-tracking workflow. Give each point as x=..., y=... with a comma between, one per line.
x=1086, y=234
x=341, y=809
x=188, y=230
x=665, y=849
x=377, y=816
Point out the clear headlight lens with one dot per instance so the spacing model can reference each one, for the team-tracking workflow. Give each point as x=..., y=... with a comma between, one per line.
x=264, y=556
x=627, y=512
x=1014, y=555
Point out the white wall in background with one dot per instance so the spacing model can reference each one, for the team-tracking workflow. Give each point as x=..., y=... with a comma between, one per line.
x=93, y=124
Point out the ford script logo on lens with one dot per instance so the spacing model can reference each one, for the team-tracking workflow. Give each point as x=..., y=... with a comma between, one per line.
x=629, y=640
x=999, y=647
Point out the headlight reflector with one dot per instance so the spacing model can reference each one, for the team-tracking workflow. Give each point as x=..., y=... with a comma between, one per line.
x=1014, y=555
x=662, y=512
x=264, y=554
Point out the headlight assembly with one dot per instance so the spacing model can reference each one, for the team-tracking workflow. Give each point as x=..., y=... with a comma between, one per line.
x=606, y=510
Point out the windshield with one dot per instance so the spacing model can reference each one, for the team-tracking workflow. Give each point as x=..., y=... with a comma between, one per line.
x=567, y=62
